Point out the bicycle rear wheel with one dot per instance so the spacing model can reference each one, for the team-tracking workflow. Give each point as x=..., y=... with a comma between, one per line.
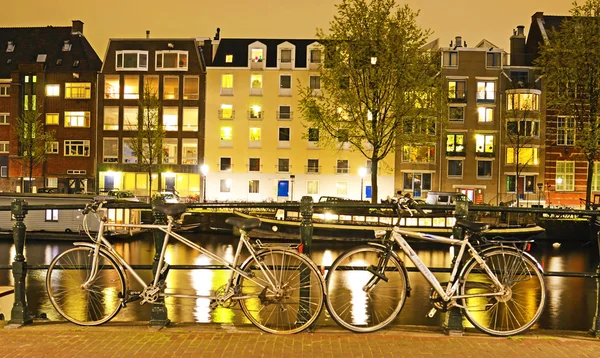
x=86, y=306
x=295, y=301
x=522, y=304
x=359, y=300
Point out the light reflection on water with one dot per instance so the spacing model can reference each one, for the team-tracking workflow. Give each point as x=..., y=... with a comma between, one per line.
x=571, y=301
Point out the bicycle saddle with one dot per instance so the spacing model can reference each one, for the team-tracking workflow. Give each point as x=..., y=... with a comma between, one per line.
x=244, y=224
x=173, y=210
x=473, y=226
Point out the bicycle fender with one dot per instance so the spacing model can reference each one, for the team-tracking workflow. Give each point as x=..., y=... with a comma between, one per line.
x=404, y=270
x=483, y=252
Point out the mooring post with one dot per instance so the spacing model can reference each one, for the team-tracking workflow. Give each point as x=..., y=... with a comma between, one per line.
x=453, y=321
x=595, y=331
x=160, y=316
x=20, y=311
x=306, y=226
x=306, y=231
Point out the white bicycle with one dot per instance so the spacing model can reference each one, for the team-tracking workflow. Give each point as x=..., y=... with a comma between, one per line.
x=278, y=289
x=499, y=287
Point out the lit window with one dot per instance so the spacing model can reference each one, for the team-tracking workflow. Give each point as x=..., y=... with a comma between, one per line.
x=129, y=156
x=484, y=143
x=77, y=119
x=169, y=151
x=227, y=85
x=131, y=87
x=111, y=87
x=111, y=119
x=52, y=118
x=171, y=60
x=341, y=188
x=457, y=90
x=523, y=102
x=418, y=154
x=565, y=176
x=170, y=118
x=253, y=186
x=527, y=156
x=78, y=90
x=485, y=114
x=190, y=87
x=255, y=134
x=226, y=133
x=312, y=187
x=171, y=87
x=226, y=111
x=130, y=118
x=485, y=91
x=110, y=150
x=455, y=144
x=52, y=90
x=257, y=54
x=189, y=151
x=256, y=85
x=190, y=119
x=228, y=58
x=255, y=112
x=225, y=185
x=51, y=215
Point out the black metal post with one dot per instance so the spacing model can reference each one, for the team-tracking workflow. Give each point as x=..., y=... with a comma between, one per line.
x=453, y=321
x=595, y=331
x=20, y=312
x=306, y=230
x=160, y=316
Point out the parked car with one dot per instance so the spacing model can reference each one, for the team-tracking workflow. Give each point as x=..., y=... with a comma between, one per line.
x=48, y=191
x=169, y=197
x=124, y=195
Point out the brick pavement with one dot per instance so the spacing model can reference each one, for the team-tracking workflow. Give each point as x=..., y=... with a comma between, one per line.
x=51, y=339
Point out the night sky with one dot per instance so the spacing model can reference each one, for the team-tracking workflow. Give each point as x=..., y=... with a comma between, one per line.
x=471, y=19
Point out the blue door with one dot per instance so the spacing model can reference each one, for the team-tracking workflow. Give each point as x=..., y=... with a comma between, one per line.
x=283, y=188
x=369, y=192
x=109, y=182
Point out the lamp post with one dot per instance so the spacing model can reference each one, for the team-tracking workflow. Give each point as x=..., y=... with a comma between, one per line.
x=540, y=186
x=362, y=172
x=204, y=171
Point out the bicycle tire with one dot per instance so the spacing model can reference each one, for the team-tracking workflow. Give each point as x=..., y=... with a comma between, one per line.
x=297, y=303
x=519, y=308
x=348, y=303
x=90, y=306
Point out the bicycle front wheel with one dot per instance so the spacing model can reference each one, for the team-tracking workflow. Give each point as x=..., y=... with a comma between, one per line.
x=523, y=301
x=89, y=305
x=284, y=294
x=360, y=297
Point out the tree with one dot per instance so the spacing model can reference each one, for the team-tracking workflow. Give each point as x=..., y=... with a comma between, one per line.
x=147, y=145
x=33, y=139
x=522, y=127
x=377, y=80
x=570, y=62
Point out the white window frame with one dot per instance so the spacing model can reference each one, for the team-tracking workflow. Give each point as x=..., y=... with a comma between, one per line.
x=487, y=113
x=82, y=146
x=314, y=190
x=138, y=67
x=4, y=146
x=52, y=147
x=462, y=168
x=53, y=90
x=78, y=90
x=4, y=119
x=81, y=119
x=113, y=157
x=565, y=128
x=4, y=90
x=179, y=66
x=189, y=145
x=285, y=91
x=565, y=181
x=491, y=169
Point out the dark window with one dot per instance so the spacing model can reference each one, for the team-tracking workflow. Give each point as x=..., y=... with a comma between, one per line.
x=225, y=164
x=313, y=134
x=455, y=167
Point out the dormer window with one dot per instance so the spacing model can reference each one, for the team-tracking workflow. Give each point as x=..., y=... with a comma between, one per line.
x=41, y=58
x=66, y=46
x=286, y=56
x=172, y=60
x=59, y=61
x=315, y=56
x=493, y=59
x=76, y=63
x=10, y=47
x=132, y=60
x=228, y=58
x=257, y=54
x=450, y=59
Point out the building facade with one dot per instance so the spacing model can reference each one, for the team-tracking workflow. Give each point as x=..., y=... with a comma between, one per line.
x=490, y=145
x=51, y=70
x=173, y=69
x=258, y=146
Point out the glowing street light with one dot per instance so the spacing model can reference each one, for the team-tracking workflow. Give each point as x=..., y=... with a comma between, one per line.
x=362, y=172
x=204, y=171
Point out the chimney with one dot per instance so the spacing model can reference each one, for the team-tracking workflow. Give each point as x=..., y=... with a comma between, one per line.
x=147, y=34
x=458, y=41
x=77, y=28
x=517, y=47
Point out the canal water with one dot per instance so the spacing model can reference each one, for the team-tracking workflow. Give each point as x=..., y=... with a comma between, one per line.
x=571, y=301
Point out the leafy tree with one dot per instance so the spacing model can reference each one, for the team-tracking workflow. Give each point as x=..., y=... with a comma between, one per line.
x=33, y=139
x=147, y=145
x=378, y=79
x=522, y=127
x=570, y=62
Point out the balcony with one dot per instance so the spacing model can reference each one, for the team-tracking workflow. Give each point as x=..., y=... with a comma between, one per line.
x=312, y=169
x=255, y=115
x=226, y=114
x=257, y=64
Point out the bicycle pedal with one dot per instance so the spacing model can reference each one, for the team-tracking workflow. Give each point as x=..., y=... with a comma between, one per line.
x=431, y=313
x=213, y=304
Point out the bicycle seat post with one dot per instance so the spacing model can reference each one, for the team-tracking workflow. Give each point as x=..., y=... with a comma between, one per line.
x=159, y=310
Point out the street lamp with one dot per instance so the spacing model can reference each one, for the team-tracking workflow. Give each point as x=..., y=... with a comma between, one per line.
x=204, y=171
x=540, y=186
x=362, y=172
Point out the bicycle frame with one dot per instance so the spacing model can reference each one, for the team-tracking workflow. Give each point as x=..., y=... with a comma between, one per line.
x=101, y=241
x=464, y=244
